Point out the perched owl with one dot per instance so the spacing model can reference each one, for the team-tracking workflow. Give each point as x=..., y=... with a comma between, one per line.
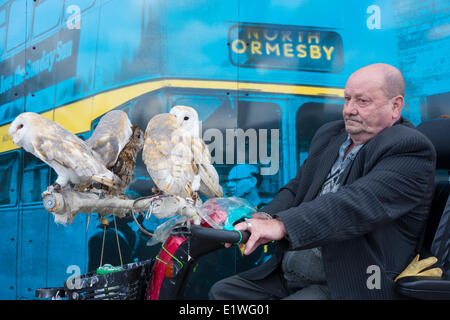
x=176, y=157
x=110, y=136
x=126, y=161
x=72, y=159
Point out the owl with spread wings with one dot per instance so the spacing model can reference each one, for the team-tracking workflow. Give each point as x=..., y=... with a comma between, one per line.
x=118, y=143
x=74, y=161
x=176, y=158
x=110, y=136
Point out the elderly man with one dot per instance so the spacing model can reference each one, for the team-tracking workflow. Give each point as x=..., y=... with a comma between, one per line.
x=350, y=221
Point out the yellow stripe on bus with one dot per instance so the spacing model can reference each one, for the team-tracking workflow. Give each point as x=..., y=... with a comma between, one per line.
x=77, y=116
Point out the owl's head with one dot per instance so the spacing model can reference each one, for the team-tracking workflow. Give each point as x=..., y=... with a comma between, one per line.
x=187, y=118
x=20, y=128
x=138, y=137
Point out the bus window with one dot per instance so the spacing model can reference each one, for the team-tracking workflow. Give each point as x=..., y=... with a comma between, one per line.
x=46, y=16
x=143, y=108
x=437, y=106
x=9, y=170
x=140, y=111
x=34, y=179
x=264, y=119
x=18, y=32
x=244, y=140
x=310, y=117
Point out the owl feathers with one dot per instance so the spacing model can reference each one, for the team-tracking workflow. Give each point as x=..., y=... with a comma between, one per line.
x=72, y=158
x=110, y=136
x=176, y=158
x=126, y=160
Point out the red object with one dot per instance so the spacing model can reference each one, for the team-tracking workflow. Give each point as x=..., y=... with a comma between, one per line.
x=218, y=215
x=159, y=268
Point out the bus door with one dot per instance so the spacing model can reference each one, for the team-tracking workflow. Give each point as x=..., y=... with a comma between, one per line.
x=67, y=244
x=9, y=215
x=33, y=227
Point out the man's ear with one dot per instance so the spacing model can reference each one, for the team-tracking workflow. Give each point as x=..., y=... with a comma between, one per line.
x=397, y=105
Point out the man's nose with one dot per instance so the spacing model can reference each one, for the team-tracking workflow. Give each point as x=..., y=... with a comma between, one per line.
x=350, y=108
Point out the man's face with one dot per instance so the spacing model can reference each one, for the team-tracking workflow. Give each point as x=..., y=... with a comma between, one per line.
x=240, y=186
x=240, y=181
x=367, y=110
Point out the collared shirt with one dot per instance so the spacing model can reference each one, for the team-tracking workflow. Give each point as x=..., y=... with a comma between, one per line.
x=332, y=182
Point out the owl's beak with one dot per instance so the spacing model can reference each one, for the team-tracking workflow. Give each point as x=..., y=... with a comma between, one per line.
x=179, y=120
x=11, y=131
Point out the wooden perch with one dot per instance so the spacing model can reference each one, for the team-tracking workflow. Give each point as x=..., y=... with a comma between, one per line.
x=66, y=204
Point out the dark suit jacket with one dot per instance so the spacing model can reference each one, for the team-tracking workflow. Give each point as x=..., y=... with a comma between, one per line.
x=376, y=218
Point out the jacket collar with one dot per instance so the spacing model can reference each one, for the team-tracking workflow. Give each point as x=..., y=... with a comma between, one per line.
x=326, y=163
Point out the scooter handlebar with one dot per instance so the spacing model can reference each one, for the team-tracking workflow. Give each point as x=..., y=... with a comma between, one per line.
x=218, y=235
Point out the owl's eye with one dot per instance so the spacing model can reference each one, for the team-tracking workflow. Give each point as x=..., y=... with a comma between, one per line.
x=186, y=118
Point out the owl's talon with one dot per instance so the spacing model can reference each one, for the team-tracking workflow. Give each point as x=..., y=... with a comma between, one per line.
x=54, y=187
x=195, y=197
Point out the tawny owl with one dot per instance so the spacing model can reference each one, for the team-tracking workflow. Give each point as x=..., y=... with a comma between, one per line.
x=176, y=157
x=72, y=158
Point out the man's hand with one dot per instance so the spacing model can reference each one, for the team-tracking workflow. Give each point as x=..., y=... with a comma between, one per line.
x=263, y=230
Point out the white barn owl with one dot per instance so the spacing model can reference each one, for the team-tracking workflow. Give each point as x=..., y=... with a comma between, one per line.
x=176, y=157
x=72, y=159
x=110, y=136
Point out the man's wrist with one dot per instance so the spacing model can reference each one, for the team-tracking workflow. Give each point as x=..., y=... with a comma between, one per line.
x=277, y=218
x=282, y=226
x=265, y=215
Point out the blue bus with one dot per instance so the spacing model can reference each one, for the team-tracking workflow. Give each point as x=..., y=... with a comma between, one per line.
x=263, y=75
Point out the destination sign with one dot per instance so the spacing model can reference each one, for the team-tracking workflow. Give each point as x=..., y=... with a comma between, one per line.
x=285, y=47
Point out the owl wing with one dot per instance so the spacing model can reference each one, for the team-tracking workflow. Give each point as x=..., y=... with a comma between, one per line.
x=167, y=157
x=209, y=179
x=110, y=136
x=57, y=146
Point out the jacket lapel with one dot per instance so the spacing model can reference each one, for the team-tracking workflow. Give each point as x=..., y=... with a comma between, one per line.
x=344, y=175
x=324, y=164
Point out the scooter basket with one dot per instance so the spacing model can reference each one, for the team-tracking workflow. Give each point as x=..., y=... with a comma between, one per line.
x=127, y=284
